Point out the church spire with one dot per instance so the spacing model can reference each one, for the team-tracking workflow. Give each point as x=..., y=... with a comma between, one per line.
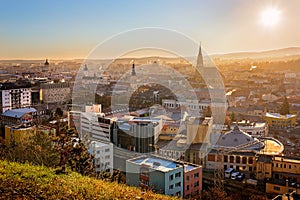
x=200, y=57
x=133, y=70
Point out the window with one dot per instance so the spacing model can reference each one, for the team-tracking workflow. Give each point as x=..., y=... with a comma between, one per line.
x=177, y=175
x=187, y=187
x=106, y=150
x=238, y=159
x=107, y=157
x=276, y=164
x=196, y=175
x=231, y=159
x=178, y=193
x=178, y=184
x=250, y=169
x=171, y=177
x=244, y=160
x=284, y=166
x=225, y=158
x=290, y=166
x=187, y=178
x=211, y=157
x=277, y=188
x=196, y=184
x=250, y=160
x=171, y=187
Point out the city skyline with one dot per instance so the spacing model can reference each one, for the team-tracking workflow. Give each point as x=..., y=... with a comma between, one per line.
x=71, y=29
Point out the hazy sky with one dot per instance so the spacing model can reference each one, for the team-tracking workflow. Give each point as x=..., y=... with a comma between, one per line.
x=71, y=28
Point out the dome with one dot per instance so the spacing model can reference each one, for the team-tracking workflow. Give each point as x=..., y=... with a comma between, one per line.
x=46, y=62
x=236, y=137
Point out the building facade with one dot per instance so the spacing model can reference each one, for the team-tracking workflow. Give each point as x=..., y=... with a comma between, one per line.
x=55, y=92
x=255, y=129
x=280, y=122
x=103, y=156
x=191, y=104
x=164, y=176
x=14, y=95
x=192, y=180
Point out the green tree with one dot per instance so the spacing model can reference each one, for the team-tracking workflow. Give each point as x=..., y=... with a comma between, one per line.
x=285, y=107
x=36, y=149
x=73, y=153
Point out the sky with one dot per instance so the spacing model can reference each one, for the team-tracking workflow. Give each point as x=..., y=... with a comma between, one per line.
x=35, y=29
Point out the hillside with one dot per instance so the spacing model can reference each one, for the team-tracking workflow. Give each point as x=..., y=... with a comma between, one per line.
x=276, y=53
x=25, y=181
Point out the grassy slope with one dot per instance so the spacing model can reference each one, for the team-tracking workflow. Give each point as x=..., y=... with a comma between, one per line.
x=24, y=181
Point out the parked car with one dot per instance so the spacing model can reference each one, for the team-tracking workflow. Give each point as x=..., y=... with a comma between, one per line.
x=240, y=177
x=228, y=172
x=235, y=175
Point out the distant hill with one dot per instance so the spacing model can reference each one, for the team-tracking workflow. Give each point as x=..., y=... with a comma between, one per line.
x=289, y=52
x=25, y=181
x=277, y=53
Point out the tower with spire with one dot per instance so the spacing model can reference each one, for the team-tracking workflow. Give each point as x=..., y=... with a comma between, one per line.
x=133, y=78
x=46, y=65
x=200, y=64
x=85, y=70
x=133, y=70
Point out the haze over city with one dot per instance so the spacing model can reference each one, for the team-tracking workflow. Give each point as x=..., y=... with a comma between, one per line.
x=71, y=29
x=160, y=99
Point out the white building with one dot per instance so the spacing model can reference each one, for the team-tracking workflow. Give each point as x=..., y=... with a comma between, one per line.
x=255, y=129
x=191, y=104
x=103, y=156
x=94, y=126
x=13, y=95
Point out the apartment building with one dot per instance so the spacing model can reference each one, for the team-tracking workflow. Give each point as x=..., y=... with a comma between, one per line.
x=164, y=175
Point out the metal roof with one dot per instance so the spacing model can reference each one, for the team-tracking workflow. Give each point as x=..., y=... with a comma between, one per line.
x=18, y=113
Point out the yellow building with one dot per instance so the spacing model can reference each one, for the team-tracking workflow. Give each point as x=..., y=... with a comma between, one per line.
x=18, y=134
x=169, y=131
x=263, y=167
x=199, y=130
x=286, y=168
x=281, y=187
x=277, y=121
x=285, y=176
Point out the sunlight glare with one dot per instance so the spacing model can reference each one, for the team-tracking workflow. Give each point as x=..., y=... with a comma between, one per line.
x=270, y=17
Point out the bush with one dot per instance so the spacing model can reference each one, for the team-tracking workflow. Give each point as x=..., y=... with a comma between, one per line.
x=25, y=181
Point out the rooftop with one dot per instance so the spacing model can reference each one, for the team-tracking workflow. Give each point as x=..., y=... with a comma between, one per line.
x=189, y=167
x=236, y=137
x=18, y=113
x=157, y=163
x=287, y=159
x=279, y=116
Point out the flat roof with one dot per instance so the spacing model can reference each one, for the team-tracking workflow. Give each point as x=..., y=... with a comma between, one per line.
x=189, y=167
x=287, y=159
x=157, y=163
x=279, y=116
x=272, y=147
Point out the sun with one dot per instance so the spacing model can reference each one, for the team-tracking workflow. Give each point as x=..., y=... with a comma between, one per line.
x=270, y=17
